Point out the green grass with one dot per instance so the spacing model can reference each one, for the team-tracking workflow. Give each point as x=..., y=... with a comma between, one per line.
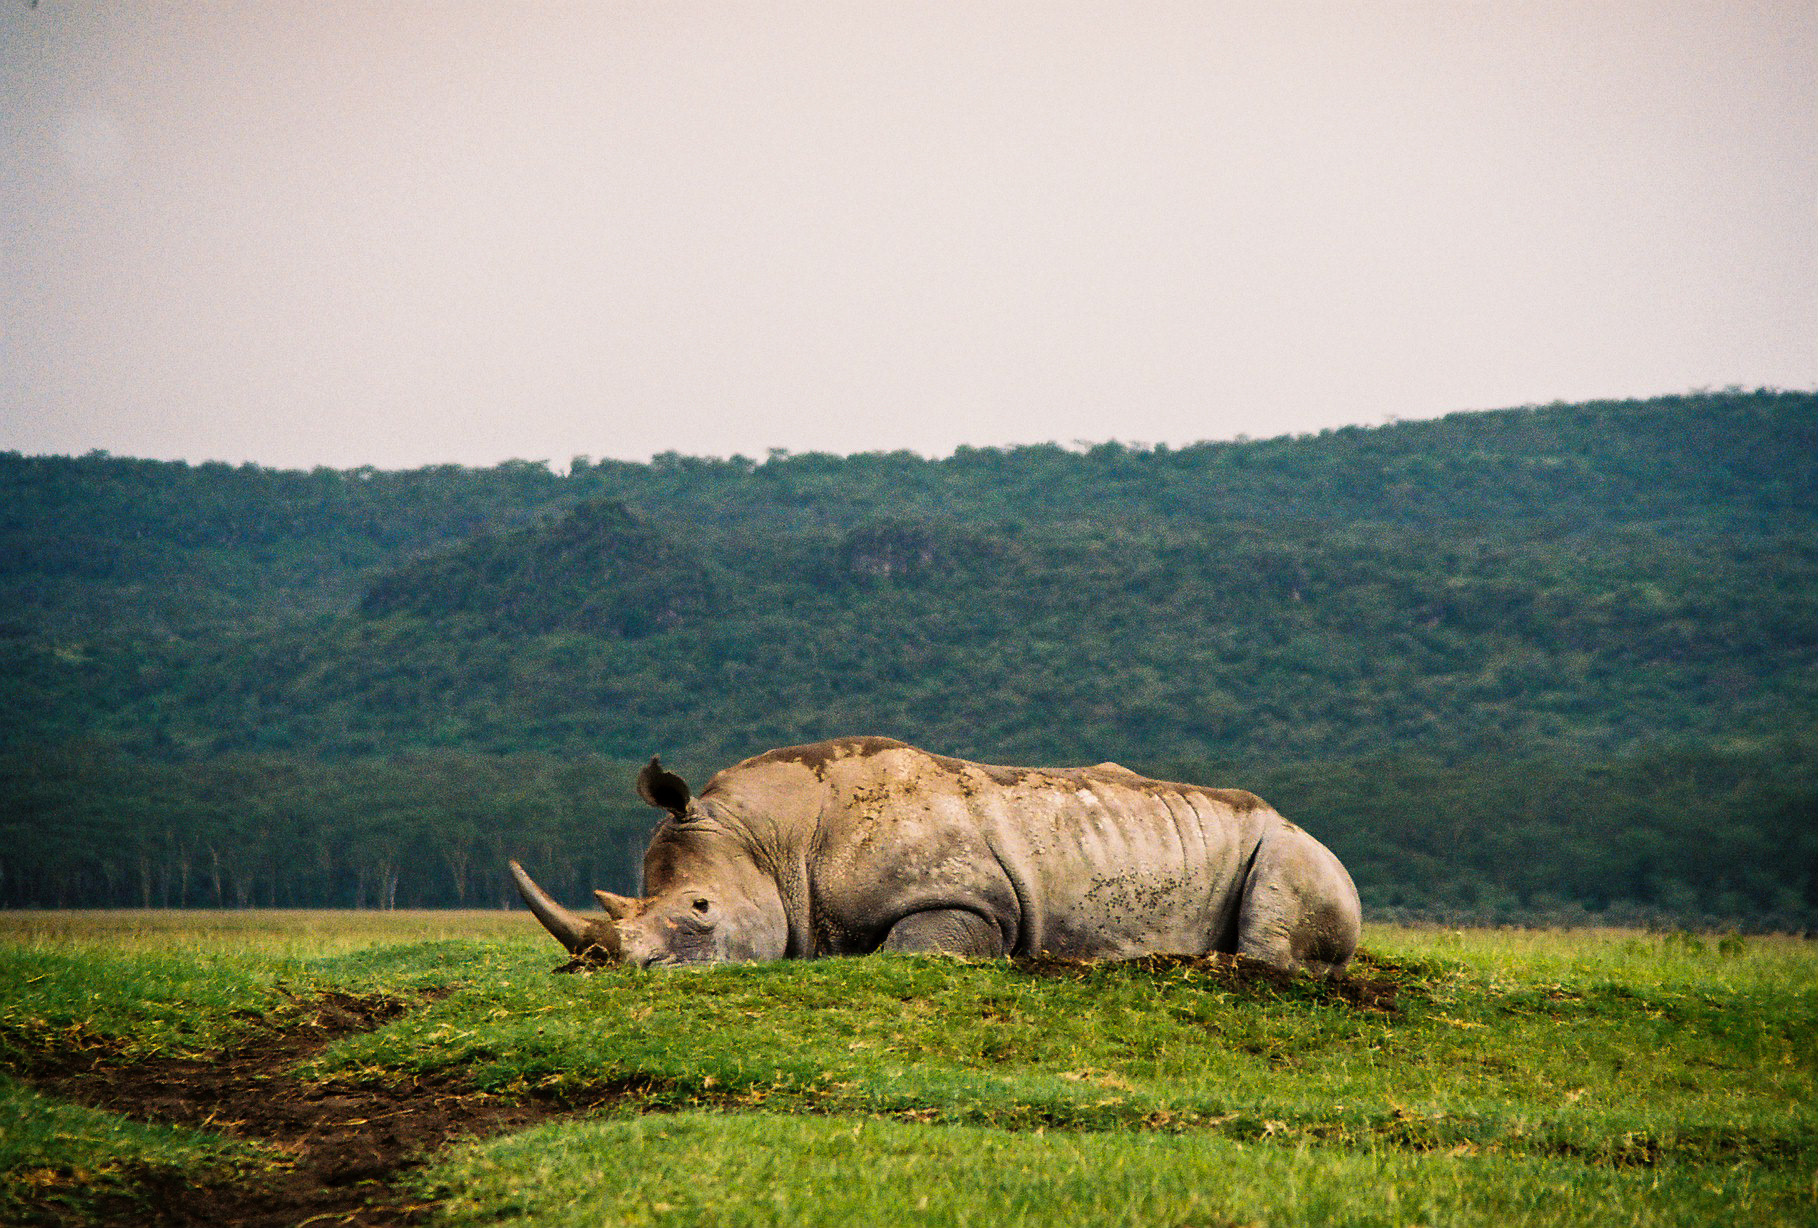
x=66, y=1156
x=301, y=933
x=1582, y=1077
x=1482, y=1058
x=180, y=983
x=763, y=1168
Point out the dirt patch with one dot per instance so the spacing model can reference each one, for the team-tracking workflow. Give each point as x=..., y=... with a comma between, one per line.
x=347, y=1143
x=590, y=958
x=1240, y=973
x=817, y=757
x=1233, y=972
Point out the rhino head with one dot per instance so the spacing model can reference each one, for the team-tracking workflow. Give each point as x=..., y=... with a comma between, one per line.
x=709, y=901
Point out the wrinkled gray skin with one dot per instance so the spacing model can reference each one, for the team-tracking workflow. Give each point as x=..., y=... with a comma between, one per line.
x=865, y=844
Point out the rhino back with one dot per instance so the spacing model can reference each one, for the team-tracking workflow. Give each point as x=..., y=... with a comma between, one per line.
x=1083, y=862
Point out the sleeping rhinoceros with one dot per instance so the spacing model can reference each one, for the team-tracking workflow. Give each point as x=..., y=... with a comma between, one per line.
x=866, y=844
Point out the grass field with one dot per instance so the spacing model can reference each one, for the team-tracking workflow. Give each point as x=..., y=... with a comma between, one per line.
x=1583, y=1077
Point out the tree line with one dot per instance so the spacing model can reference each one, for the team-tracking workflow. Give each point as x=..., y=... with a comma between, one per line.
x=87, y=826
x=1683, y=836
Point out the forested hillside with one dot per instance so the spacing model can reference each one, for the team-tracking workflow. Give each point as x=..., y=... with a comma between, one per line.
x=1515, y=664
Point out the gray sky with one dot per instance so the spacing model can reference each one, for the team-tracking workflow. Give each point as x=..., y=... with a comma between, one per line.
x=397, y=233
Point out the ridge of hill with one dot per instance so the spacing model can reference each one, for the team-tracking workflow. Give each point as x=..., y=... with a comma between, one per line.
x=100, y=545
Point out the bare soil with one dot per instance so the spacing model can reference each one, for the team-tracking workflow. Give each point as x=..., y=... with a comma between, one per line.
x=1239, y=972
x=347, y=1144
x=1236, y=972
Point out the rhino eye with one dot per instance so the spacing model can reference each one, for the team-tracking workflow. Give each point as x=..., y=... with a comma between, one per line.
x=701, y=905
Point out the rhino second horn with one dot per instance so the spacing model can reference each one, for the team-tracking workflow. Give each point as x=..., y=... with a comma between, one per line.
x=573, y=932
x=618, y=907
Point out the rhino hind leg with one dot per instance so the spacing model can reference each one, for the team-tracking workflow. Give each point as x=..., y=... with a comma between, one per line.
x=947, y=931
x=1300, y=908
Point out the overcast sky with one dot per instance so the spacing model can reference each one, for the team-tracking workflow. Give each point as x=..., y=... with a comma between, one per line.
x=399, y=234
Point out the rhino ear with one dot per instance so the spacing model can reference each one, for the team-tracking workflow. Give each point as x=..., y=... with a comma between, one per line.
x=663, y=788
x=617, y=907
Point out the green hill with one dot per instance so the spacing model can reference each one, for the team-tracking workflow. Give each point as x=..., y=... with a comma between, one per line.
x=1514, y=663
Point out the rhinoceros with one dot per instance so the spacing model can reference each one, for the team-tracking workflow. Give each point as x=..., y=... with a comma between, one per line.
x=865, y=844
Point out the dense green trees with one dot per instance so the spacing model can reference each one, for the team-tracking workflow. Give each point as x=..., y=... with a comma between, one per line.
x=1691, y=834
x=1505, y=660
x=85, y=825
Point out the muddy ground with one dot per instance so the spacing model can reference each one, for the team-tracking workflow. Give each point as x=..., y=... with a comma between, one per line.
x=348, y=1144
x=1354, y=986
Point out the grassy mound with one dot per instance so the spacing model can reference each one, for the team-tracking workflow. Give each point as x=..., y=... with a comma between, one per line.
x=1453, y=1076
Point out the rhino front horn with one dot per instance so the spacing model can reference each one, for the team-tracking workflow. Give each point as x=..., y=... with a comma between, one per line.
x=573, y=932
